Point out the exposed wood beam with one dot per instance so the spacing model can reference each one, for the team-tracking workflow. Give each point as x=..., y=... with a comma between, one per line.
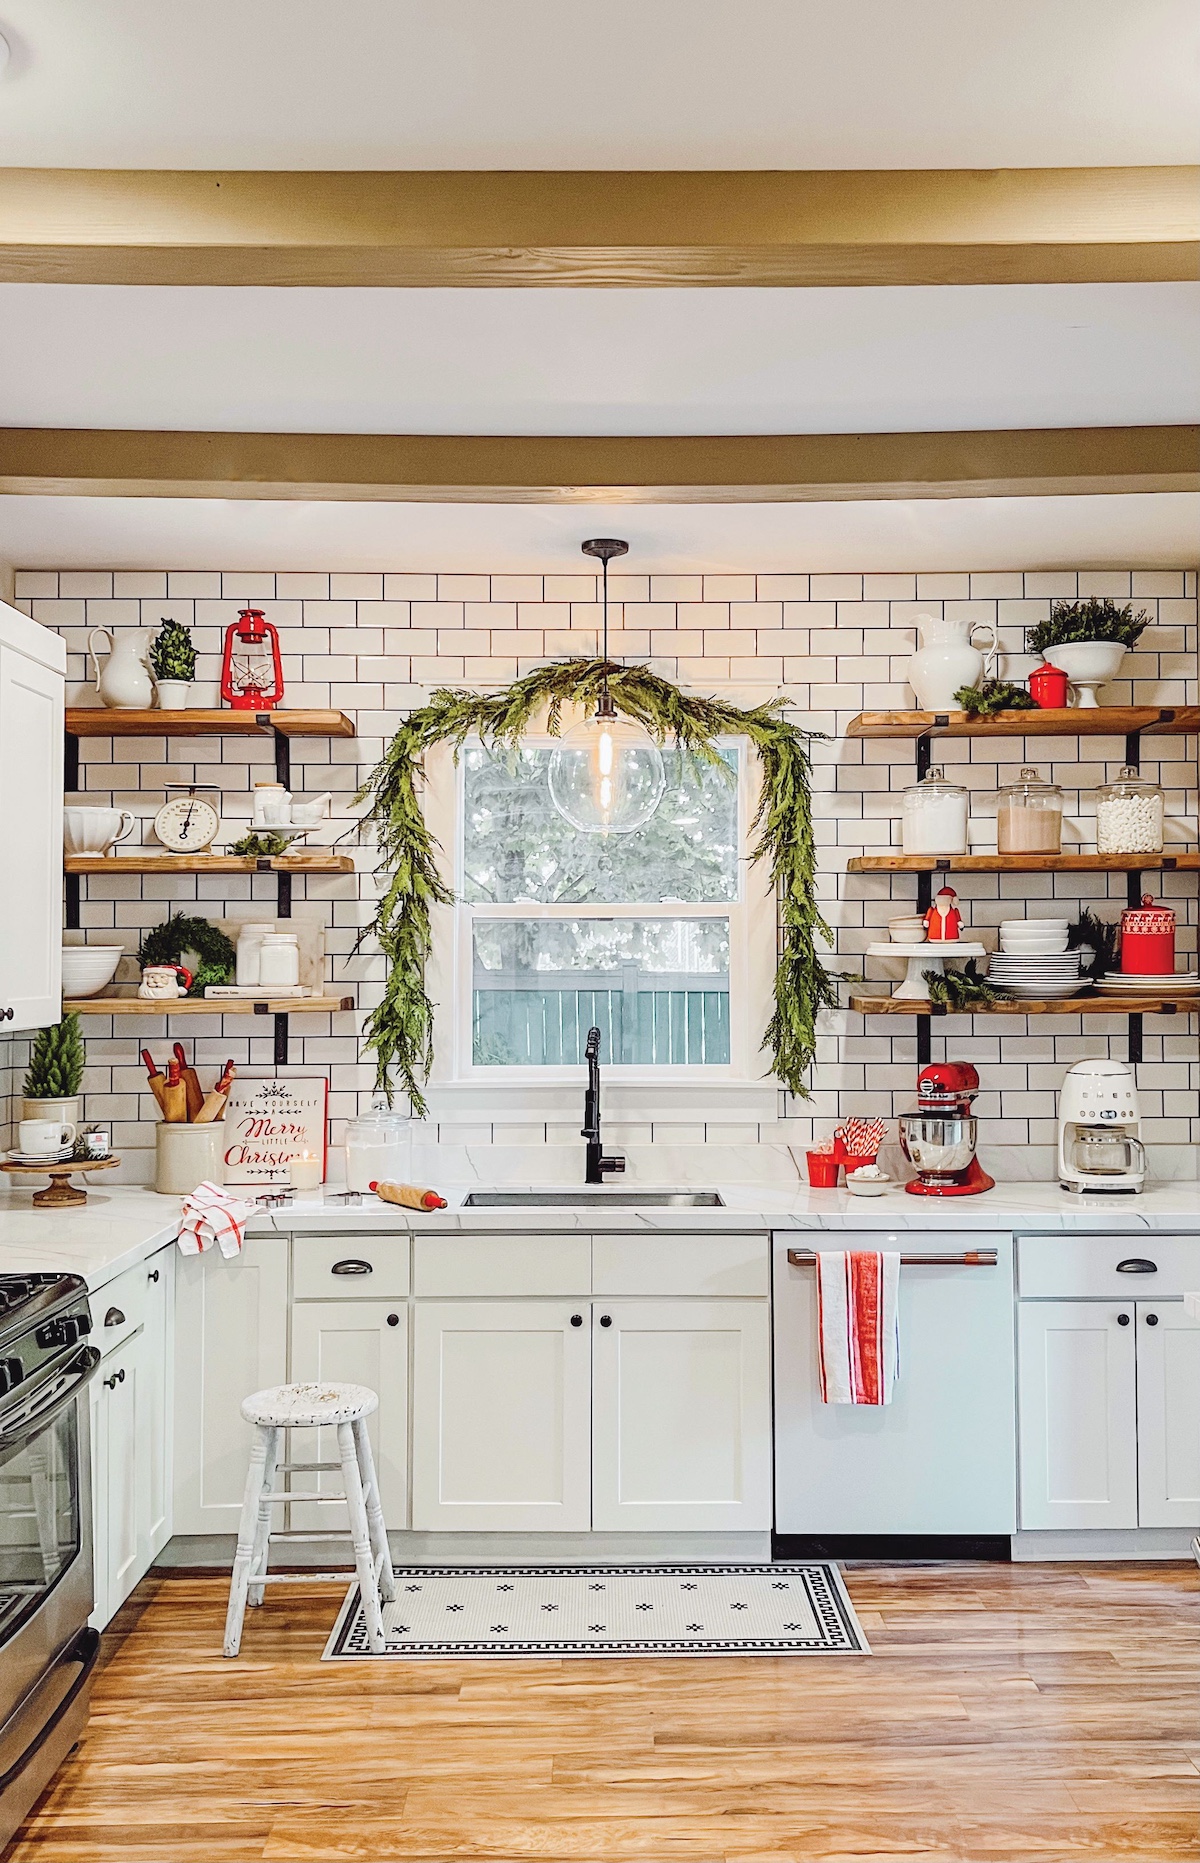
x=503, y=469
x=862, y=227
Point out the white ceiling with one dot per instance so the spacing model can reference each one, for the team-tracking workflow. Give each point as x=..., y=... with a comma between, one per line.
x=729, y=361
x=1153, y=531
x=631, y=84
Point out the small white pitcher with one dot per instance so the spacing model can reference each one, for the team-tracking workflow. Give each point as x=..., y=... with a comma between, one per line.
x=947, y=660
x=124, y=683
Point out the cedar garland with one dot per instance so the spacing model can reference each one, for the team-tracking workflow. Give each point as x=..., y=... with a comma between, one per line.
x=400, y=1029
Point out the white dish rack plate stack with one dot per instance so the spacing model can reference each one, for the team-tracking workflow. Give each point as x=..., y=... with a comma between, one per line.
x=1119, y=983
x=1033, y=961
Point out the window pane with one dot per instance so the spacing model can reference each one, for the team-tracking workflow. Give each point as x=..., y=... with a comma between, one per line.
x=657, y=989
x=518, y=847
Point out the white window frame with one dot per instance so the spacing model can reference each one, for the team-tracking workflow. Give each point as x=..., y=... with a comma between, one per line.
x=456, y=1081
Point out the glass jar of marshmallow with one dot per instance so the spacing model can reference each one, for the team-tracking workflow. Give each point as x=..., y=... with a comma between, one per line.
x=1129, y=815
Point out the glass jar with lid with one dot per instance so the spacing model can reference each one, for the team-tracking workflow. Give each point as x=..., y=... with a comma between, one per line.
x=1029, y=816
x=934, y=816
x=1129, y=815
x=378, y=1148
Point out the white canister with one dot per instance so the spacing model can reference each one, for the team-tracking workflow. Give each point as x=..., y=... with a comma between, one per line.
x=947, y=660
x=272, y=806
x=187, y=1155
x=278, y=960
x=249, y=945
x=934, y=817
x=378, y=1148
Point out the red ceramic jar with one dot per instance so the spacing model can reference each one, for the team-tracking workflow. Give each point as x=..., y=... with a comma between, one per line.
x=823, y=1170
x=1048, y=686
x=1148, y=940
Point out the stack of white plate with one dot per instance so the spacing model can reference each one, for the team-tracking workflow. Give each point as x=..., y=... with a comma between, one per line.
x=1033, y=937
x=1050, y=975
x=1182, y=983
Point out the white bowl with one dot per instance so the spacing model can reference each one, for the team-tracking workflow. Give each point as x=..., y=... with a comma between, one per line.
x=907, y=931
x=86, y=968
x=1087, y=664
x=860, y=1186
x=1035, y=947
x=1032, y=928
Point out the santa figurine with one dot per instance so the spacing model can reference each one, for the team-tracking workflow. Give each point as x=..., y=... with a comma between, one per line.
x=943, y=921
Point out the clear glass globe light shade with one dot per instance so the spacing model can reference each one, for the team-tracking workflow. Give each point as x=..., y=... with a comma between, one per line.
x=606, y=776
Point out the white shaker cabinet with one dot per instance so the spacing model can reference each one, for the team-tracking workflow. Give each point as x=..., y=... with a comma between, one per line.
x=1078, y=1410
x=1168, y=1415
x=231, y=1338
x=32, y=668
x=681, y=1426
x=353, y=1342
x=501, y=1413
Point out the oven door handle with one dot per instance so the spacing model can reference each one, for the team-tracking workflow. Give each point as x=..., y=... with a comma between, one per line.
x=84, y=1650
x=77, y=1373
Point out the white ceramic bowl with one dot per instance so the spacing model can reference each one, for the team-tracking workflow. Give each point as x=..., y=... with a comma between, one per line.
x=1022, y=928
x=1034, y=947
x=86, y=968
x=860, y=1186
x=1088, y=664
x=907, y=931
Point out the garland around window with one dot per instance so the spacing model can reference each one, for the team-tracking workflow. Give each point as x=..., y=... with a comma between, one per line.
x=400, y=1030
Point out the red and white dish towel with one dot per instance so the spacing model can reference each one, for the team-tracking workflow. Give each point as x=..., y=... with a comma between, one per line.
x=858, y=1325
x=211, y=1215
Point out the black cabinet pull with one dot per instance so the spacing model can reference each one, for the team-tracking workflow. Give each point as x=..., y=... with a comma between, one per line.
x=118, y=1377
x=393, y=1319
x=606, y=1319
x=352, y=1265
x=1152, y=1319
x=1122, y=1319
x=1137, y=1264
x=114, y=1317
x=577, y=1319
x=153, y=1275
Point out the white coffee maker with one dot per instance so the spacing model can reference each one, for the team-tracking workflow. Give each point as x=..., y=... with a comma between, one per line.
x=1099, y=1130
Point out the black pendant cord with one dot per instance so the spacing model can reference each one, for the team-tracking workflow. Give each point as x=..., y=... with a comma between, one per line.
x=605, y=548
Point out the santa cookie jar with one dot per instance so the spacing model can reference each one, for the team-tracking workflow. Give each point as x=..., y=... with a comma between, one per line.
x=943, y=921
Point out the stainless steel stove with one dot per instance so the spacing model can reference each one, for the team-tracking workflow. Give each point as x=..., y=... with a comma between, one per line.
x=47, y=1651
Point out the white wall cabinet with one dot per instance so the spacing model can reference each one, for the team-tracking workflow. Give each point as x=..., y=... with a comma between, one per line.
x=1168, y=1415
x=681, y=1423
x=32, y=668
x=353, y=1342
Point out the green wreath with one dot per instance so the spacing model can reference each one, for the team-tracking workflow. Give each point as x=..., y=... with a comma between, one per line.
x=167, y=943
x=400, y=1029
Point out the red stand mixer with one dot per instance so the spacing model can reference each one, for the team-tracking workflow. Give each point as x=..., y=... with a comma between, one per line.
x=939, y=1138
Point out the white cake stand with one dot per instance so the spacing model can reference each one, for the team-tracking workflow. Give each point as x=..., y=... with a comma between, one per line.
x=922, y=957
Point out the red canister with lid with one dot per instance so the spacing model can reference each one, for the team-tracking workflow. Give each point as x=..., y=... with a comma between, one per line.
x=1148, y=940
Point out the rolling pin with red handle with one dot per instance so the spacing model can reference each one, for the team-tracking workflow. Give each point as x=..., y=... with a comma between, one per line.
x=157, y=1082
x=214, y=1104
x=191, y=1083
x=409, y=1196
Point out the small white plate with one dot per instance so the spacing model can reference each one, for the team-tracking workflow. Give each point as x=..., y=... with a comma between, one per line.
x=50, y=1157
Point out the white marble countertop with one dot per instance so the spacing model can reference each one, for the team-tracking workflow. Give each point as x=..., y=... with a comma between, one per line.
x=122, y=1226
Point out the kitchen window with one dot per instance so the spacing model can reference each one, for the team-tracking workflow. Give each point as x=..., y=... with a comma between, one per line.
x=663, y=939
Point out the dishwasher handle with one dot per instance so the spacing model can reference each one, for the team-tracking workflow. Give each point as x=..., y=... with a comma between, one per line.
x=971, y=1258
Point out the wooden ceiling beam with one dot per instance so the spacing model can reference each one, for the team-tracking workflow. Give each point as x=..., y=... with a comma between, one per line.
x=422, y=228
x=540, y=469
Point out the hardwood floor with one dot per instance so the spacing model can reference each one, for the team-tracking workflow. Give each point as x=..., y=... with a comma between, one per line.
x=1009, y=1712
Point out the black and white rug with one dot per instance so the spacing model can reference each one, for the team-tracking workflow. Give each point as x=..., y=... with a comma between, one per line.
x=794, y=1609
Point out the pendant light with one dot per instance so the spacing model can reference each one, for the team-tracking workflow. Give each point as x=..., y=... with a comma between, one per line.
x=606, y=774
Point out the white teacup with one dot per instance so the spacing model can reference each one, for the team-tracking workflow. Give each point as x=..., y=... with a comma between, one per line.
x=45, y=1138
x=94, y=831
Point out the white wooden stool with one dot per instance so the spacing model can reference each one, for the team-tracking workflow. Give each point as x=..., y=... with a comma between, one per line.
x=344, y=1407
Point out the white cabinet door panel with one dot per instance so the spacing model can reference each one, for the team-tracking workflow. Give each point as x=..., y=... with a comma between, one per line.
x=500, y=1416
x=1078, y=1419
x=681, y=1425
x=31, y=785
x=353, y=1342
x=1168, y=1416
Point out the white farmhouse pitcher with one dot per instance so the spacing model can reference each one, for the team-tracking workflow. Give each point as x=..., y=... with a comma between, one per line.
x=124, y=683
x=947, y=660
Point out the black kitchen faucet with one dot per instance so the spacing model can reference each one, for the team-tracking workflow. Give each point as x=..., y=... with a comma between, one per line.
x=597, y=1163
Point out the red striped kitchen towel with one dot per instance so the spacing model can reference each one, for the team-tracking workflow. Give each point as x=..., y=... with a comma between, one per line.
x=858, y=1325
x=210, y=1215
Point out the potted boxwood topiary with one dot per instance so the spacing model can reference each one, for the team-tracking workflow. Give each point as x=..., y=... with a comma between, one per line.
x=55, y=1072
x=173, y=663
x=1088, y=640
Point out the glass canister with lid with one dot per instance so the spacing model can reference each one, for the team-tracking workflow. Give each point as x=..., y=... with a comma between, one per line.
x=378, y=1147
x=1029, y=816
x=934, y=816
x=1129, y=815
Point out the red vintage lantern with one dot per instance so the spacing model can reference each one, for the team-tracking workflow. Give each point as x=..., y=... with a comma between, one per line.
x=251, y=671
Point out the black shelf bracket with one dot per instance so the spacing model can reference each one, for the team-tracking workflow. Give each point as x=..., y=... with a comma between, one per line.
x=72, y=902
x=281, y=1033
x=283, y=885
x=1135, y=1040
x=1133, y=749
x=924, y=757
x=70, y=761
x=283, y=756
x=1133, y=889
x=924, y=1041
x=924, y=891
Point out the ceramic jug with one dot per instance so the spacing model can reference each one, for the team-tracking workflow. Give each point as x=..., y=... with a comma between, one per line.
x=947, y=660
x=124, y=683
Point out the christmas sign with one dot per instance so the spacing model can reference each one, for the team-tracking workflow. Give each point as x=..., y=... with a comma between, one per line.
x=269, y=1123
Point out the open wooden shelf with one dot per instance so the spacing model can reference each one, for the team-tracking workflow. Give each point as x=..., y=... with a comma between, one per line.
x=314, y=860
x=204, y=1006
x=1069, y=1006
x=1078, y=721
x=1188, y=862
x=100, y=721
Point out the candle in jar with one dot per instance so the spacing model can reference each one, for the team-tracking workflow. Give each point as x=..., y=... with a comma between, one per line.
x=306, y=1171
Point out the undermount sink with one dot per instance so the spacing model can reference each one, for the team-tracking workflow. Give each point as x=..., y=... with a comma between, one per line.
x=593, y=1199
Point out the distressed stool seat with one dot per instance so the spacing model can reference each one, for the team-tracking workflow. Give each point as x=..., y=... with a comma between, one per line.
x=345, y=1408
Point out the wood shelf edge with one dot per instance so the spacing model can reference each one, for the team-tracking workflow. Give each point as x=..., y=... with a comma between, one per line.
x=197, y=1006
x=314, y=862
x=1069, y=1006
x=1078, y=721
x=1185, y=861
x=99, y=721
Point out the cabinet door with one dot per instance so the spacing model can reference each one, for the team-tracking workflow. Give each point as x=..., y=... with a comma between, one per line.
x=681, y=1420
x=1168, y=1415
x=353, y=1342
x=501, y=1399
x=1078, y=1417
x=31, y=783
x=231, y=1321
x=119, y=1515
x=154, y=1421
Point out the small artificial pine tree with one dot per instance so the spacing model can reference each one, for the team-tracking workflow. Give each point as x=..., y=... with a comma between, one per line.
x=56, y=1064
x=172, y=655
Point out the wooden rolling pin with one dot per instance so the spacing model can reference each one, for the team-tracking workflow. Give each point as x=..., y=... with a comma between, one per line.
x=174, y=1095
x=157, y=1082
x=191, y=1083
x=409, y=1196
x=214, y=1104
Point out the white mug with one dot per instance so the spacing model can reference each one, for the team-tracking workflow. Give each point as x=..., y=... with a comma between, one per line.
x=95, y=830
x=161, y=983
x=45, y=1138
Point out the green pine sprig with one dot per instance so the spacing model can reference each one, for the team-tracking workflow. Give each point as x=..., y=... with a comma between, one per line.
x=56, y=1062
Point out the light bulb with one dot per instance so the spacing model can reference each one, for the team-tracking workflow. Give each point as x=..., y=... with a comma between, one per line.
x=606, y=776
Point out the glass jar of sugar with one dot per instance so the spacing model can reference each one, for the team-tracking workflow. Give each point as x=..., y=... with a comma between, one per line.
x=934, y=817
x=1029, y=816
x=1129, y=815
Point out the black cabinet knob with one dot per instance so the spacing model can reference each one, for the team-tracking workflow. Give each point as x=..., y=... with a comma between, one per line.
x=606, y=1319
x=118, y=1377
x=577, y=1319
x=393, y=1319
x=1152, y=1319
x=153, y=1274
x=1122, y=1319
